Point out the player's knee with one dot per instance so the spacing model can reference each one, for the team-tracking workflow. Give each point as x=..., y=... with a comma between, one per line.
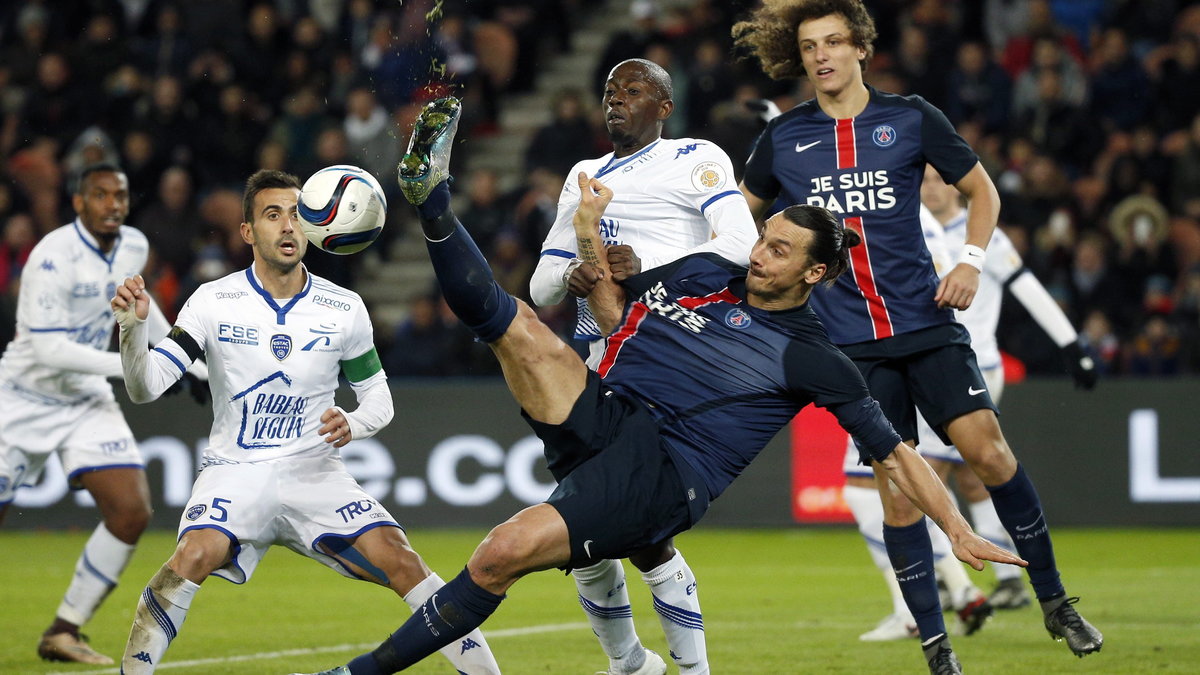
x=198, y=556
x=130, y=521
x=652, y=556
x=502, y=557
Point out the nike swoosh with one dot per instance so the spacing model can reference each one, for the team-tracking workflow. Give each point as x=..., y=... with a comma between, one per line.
x=587, y=548
x=906, y=568
x=975, y=392
x=1021, y=528
x=802, y=148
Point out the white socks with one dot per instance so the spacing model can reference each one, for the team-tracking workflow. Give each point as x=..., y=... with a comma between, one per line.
x=605, y=599
x=469, y=654
x=987, y=525
x=160, y=614
x=678, y=605
x=103, y=559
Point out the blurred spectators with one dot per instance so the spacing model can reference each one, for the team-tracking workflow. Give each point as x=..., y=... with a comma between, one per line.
x=565, y=140
x=1085, y=112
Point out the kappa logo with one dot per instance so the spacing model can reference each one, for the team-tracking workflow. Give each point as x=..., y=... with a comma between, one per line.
x=48, y=265
x=230, y=295
x=143, y=657
x=685, y=150
x=884, y=135
x=468, y=644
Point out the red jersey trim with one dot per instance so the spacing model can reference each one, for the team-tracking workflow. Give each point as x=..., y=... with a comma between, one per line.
x=864, y=277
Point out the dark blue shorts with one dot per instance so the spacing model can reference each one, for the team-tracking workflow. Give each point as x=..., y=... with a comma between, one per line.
x=932, y=370
x=618, y=490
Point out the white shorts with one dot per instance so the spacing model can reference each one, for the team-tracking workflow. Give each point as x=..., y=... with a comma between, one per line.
x=292, y=502
x=928, y=443
x=88, y=436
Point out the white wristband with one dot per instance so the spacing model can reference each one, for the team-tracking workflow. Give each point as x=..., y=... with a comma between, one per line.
x=571, y=267
x=972, y=255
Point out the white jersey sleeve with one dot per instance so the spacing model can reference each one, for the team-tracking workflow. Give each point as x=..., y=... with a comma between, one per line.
x=547, y=286
x=702, y=180
x=935, y=241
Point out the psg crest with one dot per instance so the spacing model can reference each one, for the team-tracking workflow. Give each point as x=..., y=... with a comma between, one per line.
x=737, y=318
x=281, y=345
x=884, y=135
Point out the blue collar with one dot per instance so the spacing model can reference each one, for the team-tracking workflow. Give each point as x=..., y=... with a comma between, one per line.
x=614, y=163
x=90, y=242
x=280, y=312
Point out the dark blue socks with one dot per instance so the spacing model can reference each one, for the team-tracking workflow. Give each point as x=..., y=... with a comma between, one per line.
x=1020, y=510
x=912, y=559
x=466, y=278
x=454, y=610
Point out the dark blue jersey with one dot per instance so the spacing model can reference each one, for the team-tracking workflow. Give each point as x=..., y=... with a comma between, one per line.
x=868, y=171
x=722, y=377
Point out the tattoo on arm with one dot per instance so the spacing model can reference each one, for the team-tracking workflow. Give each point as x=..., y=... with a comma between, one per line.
x=587, y=252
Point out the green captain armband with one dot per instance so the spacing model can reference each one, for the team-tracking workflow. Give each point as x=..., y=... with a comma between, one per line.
x=363, y=366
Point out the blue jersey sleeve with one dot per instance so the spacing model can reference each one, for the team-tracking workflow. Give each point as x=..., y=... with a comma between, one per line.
x=759, y=177
x=948, y=152
x=821, y=373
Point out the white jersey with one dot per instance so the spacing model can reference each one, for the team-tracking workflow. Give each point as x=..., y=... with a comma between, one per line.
x=65, y=288
x=935, y=241
x=671, y=198
x=274, y=365
x=982, y=317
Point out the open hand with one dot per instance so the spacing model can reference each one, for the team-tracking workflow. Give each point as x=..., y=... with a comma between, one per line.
x=974, y=550
x=335, y=428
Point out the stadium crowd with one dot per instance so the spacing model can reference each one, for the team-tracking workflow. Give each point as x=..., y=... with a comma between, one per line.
x=1085, y=112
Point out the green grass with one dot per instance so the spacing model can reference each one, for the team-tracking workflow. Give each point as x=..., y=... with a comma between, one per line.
x=775, y=601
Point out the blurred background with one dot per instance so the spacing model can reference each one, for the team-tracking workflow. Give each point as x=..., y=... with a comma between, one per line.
x=1085, y=112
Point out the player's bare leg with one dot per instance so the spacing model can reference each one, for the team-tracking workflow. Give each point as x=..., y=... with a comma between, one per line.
x=384, y=556
x=164, y=602
x=981, y=443
x=123, y=498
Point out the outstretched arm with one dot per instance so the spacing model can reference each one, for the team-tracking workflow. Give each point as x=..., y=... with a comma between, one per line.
x=916, y=479
x=607, y=299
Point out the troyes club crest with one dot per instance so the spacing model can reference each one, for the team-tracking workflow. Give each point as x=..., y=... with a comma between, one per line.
x=281, y=345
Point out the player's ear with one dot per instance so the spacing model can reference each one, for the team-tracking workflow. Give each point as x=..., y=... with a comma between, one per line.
x=815, y=273
x=247, y=233
x=665, y=109
x=77, y=202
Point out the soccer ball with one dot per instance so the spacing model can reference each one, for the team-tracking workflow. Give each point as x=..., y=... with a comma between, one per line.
x=342, y=209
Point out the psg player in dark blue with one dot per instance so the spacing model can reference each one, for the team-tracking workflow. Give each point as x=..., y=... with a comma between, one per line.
x=706, y=362
x=861, y=153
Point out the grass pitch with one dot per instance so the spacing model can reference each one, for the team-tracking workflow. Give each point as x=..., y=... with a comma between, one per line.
x=775, y=601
